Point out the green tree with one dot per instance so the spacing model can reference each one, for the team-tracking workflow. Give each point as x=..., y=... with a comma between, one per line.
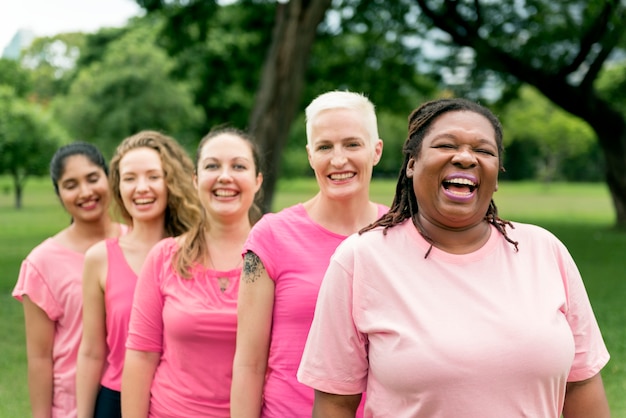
x=129, y=89
x=550, y=136
x=14, y=76
x=28, y=138
x=559, y=47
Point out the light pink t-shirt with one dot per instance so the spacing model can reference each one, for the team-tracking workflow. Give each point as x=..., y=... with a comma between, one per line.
x=118, y=299
x=51, y=276
x=295, y=251
x=193, y=325
x=494, y=333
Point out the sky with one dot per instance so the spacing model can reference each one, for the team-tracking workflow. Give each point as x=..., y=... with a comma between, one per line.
x=49, y=17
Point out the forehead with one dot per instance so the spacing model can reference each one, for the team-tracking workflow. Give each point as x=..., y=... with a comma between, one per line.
x=226, y=146
x=79, y=165
x=463, y=122
x=338, y=124
x=140, y=157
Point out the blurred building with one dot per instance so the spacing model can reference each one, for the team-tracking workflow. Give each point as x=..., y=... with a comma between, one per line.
x=22, y=39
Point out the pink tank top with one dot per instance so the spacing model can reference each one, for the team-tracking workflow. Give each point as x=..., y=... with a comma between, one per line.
x=118, y=300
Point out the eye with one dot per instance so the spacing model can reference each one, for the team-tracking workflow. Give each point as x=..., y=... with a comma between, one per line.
x=93, y=179
x=486, y=152
x=354, y=144
x=323, y=147
x=444, y=146
x=155, y=177
x=211, y=166
x=239, y=167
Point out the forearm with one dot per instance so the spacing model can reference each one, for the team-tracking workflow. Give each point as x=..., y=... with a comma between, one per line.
x=246, y=396
x=88, y=375
x=139, y=369
x=586, y=399
x=328, y=405
x=40, y=386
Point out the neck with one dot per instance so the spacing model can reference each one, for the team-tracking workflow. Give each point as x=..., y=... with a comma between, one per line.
x=343, y=217
x=228, y=232
x=455, y=240
x=146, y=234
x=96, y=231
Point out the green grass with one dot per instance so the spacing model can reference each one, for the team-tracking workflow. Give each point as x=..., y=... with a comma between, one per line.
x=581, y=215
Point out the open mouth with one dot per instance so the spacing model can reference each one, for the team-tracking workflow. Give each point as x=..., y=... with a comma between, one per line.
x=224, y=193
x=143, y=201
x=341, y=176
x=460, y=186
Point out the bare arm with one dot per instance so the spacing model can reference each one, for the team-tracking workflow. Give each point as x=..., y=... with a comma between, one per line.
x=328, y=405
x=93, y=350
x=254, y=322
x=39, y=343
x=139, y=368
x=586, y=399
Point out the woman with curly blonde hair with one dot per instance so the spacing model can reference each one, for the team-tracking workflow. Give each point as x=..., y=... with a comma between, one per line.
x=150, y=178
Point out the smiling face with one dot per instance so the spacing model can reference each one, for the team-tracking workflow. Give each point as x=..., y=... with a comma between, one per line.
x=227, y=178
x=342, y=154
x=455, y=172
x=83, y=189
x=142, y=184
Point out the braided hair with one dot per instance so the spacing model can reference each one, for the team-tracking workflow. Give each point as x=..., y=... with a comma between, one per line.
x=404, y=203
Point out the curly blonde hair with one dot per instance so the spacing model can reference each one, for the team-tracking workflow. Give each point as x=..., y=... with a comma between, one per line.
x=183, y=209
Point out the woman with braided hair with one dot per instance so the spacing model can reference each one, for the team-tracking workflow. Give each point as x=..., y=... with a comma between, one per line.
x=443, y=309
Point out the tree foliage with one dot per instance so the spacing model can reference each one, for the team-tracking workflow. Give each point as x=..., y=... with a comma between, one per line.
x=129, y=89
x=28, y=138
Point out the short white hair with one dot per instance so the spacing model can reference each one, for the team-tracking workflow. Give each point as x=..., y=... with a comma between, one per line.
x=343, y=100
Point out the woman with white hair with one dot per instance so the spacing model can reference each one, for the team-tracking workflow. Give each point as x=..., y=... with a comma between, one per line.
x=287, y=253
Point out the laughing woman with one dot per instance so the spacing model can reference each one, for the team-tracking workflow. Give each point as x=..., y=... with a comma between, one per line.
x=150, y=179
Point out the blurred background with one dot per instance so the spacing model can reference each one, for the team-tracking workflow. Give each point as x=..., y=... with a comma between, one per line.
x=554, y=71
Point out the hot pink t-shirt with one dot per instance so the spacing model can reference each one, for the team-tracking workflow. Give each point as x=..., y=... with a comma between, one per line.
x=118, y=299
x=51, y=276
x=494, y=333
x=192, y=324
x=295, y=251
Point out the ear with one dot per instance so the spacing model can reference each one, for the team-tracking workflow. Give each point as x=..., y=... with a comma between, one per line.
x=195, y=181
x=410, y=168
x=259, y=182
x=496, y=187
x=378, y=151
x=308, y=154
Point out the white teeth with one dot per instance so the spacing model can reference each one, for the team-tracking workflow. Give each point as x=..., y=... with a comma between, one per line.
x=225, y=193
x=143, y=201
x=341, y=176
x=461, y=181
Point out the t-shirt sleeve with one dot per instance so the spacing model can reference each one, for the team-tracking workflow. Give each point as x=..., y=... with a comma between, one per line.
x=591, y=354
x=262, y=243
x=33, y=283
x=335, y=355
x=145, y=331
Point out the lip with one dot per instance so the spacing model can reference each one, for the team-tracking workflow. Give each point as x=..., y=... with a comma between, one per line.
x=457, y=196
x=223, y=193
x=342, y=176
x=89, y=204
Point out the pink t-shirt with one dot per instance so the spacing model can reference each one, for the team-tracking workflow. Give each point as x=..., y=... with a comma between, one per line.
x=295, y=251
x=118, y=299
x=494, y=333
x=51, y=276
x=192, y=323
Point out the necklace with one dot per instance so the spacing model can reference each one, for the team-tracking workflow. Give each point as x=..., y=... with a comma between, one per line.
x=222, y=281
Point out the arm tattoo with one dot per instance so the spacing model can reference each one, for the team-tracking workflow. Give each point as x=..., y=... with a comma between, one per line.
x=252, y=267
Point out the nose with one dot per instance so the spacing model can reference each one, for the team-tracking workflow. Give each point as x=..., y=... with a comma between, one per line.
x=224, y=176
x=142, y=184
x=338, y=158
x=464, y=158
x=84, y=189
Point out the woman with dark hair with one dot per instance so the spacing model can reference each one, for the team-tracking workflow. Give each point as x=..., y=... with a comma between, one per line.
x=150, y=179
x=49, y=284
x=443, y=309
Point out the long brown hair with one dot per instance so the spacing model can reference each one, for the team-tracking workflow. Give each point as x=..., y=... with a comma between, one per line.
x=194, y=247
x=183, y=205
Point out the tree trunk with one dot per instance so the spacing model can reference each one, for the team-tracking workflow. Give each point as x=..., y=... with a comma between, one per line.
x=18, y=187
x=278, y=95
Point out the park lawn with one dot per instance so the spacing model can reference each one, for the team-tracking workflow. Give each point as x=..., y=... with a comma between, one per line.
x=580, y=215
